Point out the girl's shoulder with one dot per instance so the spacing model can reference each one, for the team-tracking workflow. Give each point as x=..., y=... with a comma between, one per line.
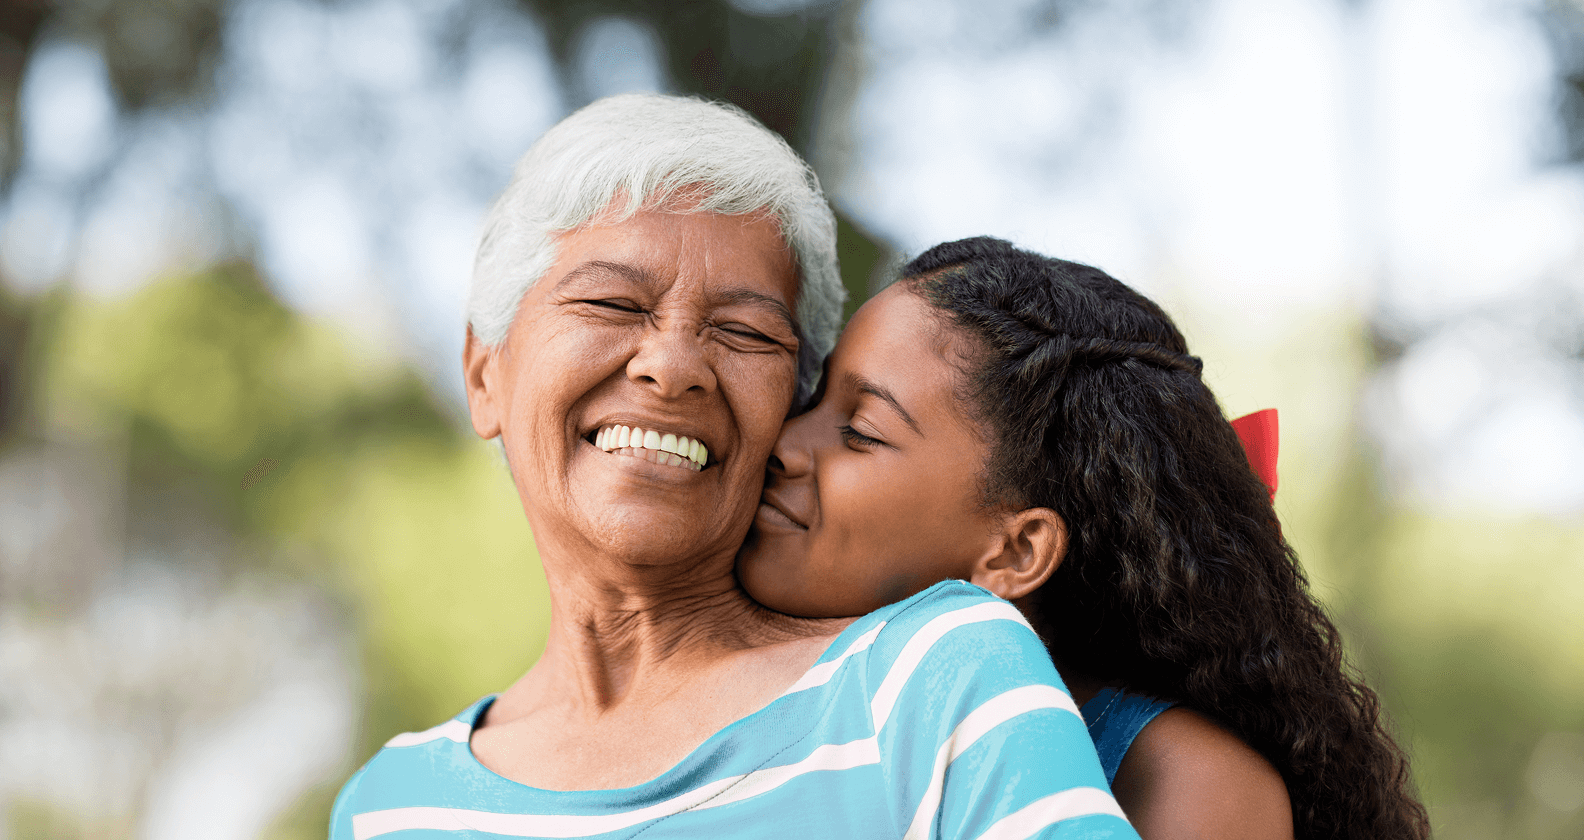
x=1187, y=775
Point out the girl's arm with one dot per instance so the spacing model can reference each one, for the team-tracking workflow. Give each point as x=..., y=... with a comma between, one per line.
x=1186, y=777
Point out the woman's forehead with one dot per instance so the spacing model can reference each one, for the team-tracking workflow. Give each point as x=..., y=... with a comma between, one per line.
x=739, y=252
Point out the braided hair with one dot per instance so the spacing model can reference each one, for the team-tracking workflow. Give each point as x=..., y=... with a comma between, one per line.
x=1176, y=581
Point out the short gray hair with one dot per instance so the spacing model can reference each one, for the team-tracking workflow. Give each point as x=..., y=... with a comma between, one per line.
x=649, y=149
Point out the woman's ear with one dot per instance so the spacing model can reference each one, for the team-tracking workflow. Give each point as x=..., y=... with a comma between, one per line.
x=479, y=376
x=1030, y=546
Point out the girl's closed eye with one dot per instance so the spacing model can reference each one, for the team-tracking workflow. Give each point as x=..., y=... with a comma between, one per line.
x=858, y=439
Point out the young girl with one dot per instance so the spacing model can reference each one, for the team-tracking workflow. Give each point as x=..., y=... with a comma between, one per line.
x=1038, y=428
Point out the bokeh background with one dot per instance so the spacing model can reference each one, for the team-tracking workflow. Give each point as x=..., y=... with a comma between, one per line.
x=246, y=534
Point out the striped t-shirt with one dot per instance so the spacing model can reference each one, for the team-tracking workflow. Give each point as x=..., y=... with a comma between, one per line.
x=938, y=716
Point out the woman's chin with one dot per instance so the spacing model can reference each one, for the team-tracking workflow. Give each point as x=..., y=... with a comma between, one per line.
x=655, y=532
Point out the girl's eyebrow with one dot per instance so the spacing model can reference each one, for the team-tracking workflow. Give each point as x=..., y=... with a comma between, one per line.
x=875, y=389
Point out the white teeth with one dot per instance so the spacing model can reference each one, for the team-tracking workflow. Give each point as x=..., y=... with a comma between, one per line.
x=654, y=447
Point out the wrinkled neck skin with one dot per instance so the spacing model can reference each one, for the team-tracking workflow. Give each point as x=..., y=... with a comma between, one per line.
x=629, y=629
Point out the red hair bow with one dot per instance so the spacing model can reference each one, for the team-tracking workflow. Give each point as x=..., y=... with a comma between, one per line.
x=1258, y=433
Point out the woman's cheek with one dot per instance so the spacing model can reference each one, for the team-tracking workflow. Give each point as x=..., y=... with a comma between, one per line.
x=761, y=392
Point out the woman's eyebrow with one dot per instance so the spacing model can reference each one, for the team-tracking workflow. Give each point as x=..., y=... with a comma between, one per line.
x=875, y=389
x=640, y=277
x=761, y=300
x=631, y=273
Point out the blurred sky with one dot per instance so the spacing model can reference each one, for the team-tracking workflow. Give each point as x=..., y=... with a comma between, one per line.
x=1397, y=158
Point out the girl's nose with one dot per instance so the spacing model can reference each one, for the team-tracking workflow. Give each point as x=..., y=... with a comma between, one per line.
x=793, y=453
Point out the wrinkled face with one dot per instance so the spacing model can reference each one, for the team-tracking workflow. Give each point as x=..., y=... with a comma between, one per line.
x=643, y=383
x=873, y=494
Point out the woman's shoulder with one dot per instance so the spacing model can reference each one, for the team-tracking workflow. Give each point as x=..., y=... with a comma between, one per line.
x=977, y=726
x=411, y=766
x=410, y=757
x=946, y=597
x=1188, y=776
x=955, y=627
x=951, y=610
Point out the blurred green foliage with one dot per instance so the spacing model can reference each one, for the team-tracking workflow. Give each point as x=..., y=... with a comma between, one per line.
x=1466, y=623
x=370, y=489
x=332, y=464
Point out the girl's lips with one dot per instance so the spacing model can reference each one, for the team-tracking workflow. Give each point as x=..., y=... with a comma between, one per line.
x=774, y=512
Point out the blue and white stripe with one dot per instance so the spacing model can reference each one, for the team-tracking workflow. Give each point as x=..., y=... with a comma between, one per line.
x=939, y=716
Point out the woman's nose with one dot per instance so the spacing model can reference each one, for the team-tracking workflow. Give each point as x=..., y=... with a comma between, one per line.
x=671, y=360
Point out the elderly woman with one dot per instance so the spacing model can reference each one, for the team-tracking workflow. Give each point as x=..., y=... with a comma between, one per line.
x=654, y=289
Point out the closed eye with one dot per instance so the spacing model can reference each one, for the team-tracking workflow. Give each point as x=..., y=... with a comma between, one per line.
x=745, y=339
x=853, y=437
x=744, y=332
x=617, y=304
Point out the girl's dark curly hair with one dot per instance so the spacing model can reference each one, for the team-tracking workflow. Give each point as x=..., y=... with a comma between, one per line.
x=1177, y=581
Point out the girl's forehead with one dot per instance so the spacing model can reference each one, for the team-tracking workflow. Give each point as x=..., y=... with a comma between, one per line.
x=898, y=321
x=899, y=341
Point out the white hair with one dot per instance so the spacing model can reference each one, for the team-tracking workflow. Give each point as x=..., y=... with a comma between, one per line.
x=649, y=149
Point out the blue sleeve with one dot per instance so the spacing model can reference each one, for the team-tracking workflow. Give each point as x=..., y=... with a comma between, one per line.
x=341, y=813
x=978, y=736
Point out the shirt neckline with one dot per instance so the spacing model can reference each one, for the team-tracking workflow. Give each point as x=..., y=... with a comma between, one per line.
x=680, y=776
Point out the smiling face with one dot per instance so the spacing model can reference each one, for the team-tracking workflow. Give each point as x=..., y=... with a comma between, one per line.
x=874, y=494
x=675, y=324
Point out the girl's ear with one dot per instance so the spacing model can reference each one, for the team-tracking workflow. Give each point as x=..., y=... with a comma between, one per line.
x=1027, y=551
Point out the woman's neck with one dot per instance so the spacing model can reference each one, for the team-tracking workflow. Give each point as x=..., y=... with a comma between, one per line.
x=638, y=636
x=636, y=677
